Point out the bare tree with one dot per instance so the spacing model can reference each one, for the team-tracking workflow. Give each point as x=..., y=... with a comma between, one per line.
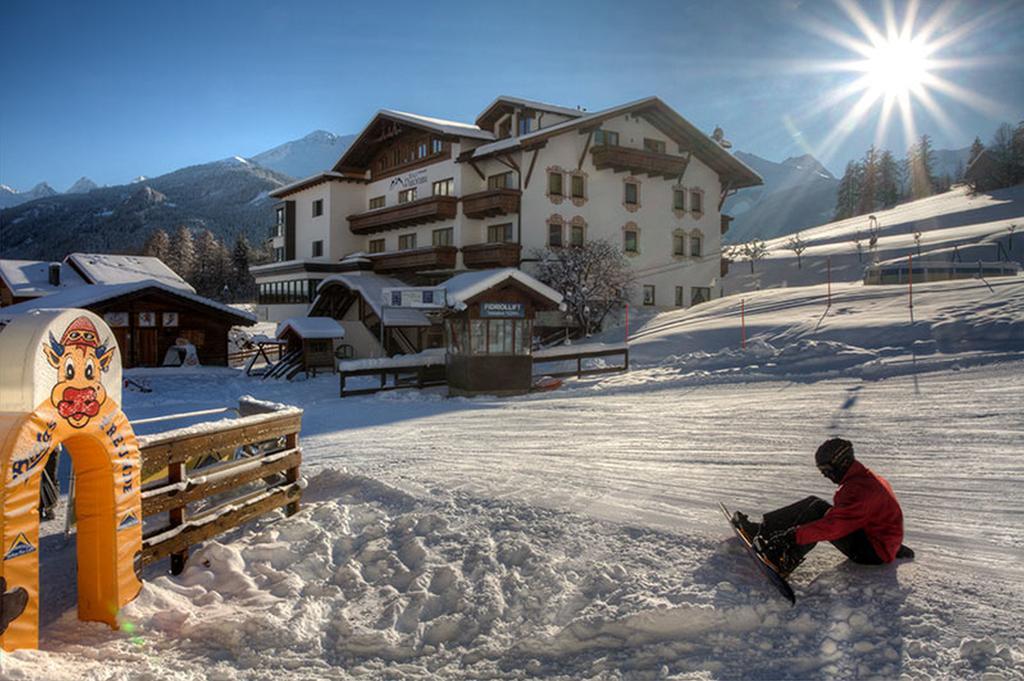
x=753, y=251
x=1011, y=228
x=917, y=240
x=798, y=246
x=594, y=278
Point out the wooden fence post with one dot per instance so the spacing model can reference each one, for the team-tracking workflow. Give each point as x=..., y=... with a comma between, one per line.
x=291, y=441
x=176, y=474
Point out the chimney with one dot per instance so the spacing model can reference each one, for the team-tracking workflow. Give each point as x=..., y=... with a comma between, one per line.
x=54, y=274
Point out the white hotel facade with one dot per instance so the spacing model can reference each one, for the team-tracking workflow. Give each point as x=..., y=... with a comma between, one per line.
x=418, y=199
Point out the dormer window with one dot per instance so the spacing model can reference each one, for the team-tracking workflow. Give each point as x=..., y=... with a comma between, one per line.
x=524, y=125
x=436, y=146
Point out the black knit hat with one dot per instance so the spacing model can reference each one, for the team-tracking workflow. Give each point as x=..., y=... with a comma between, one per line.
x=834, y=457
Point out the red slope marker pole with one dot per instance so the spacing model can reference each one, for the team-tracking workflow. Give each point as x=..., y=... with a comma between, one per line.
x=743, y=325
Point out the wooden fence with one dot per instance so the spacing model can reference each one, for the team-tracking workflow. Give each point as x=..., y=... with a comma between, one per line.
x=413, y=376
x=259, y=473
x=238, y=359
x=579, y=353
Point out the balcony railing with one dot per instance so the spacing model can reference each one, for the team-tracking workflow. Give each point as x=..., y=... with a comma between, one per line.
x=492, y=202
x=637, y=161
x=415, y=259
x=430, y=209
x=499, y=254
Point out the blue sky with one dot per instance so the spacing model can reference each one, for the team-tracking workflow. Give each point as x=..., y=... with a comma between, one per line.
x=114, y=90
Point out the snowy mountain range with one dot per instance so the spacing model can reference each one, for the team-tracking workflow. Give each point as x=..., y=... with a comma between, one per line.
x=316, y=152
x=12, y=197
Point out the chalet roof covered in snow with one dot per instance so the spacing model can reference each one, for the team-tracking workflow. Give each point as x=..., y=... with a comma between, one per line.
x=487, y=116
x=84, y=296
x=311, y=328
x=371, y=287
x=661, y=115
x=313, y=180
x=464, y=287
x=106, y=268
x=31, y=278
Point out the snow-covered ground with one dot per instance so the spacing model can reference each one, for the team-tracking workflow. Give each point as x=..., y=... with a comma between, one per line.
x=575, y=534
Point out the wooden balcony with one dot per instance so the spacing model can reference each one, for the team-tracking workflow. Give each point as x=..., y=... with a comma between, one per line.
x=489, y=203
x=637, y=161
x=499, y=254
x=430, y=209
x=415, y=259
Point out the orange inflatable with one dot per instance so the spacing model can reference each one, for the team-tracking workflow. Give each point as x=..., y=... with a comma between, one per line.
x=60, y=383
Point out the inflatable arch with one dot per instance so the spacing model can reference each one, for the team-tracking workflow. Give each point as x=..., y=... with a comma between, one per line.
x=60, y=383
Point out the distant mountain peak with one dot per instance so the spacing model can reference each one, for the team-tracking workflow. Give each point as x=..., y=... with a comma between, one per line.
x=316, y=152
x=140, y=178
x=807, y=162
x=82, y=186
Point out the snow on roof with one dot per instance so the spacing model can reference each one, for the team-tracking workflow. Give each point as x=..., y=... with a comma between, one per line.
x=31, y=278
x=371, y=287
x=83, y=296
x=463, y=287
x=312, y=327
x=106, y=268
x=310, y=181
x=439, y=124
x=534, y=104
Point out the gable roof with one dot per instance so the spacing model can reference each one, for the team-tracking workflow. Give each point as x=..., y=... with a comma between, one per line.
x=107, y=268
x=313, y=180
x=31, y=278
x=660, y=114
x=371, y=287
x=355, y=156
x=84, y=296
x=483, y=120
x=465, y=286
x=312, y=328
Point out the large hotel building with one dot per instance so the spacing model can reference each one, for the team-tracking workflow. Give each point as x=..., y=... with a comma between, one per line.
x=416, y=200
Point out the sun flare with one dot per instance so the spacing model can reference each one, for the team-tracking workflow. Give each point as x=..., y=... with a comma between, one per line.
x=897, y=67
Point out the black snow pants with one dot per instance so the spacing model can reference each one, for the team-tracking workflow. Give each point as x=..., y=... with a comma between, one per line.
x=856, y=545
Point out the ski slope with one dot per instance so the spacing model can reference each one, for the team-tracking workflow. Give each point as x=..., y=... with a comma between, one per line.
x=575, y=534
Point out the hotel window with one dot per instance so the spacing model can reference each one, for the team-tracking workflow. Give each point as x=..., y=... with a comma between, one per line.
x=443, y=237
x=657, y=146
x=699, y=294
x=421, y=150
x=578, y=187
x=524, y=125
x=407, y=195
x=377, y=245
x=499, y=233
x=436, y=146
x=678, y=199
x=407, y=242
x=696, y=201
x=629, y=241
x=279, y=223
x=318, y=208
x=500, y=181
x=606, y=138
x=555, y=183
x=278, y=255
x=678, y=244
x=696, y=246
x=577, y=234
x=648, y=294
x=377, y=202
x=554, y=235
x=679, y=296
x=444, y=187
x=318, y=249
x=632, y=194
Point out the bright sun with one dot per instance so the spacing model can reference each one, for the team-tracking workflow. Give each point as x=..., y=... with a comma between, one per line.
x=896, y=67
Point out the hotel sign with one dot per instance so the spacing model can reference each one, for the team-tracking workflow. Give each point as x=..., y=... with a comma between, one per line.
x=415, y=296
x=408, y=180
x=502, y=310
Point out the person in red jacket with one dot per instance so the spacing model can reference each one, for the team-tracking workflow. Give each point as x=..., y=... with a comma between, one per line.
x=864, y=521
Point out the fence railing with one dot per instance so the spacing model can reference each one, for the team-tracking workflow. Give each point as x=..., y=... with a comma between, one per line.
x=258, y=472
x=237, y=359
x=414, y=376
x=570, y=353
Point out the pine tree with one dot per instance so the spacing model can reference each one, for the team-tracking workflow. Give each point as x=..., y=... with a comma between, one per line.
x=181, y=256
x=158, y=245
x=243, y=286
x=867, y=200
x=849, y=191
x=213, y=266
x=921, y=159
x=976, y=148
x=888, y=180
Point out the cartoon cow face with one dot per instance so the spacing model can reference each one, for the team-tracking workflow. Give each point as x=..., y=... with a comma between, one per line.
x=79, y=359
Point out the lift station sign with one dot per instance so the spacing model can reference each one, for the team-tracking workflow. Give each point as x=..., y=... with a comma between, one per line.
x=422, y=297
x=502, y=310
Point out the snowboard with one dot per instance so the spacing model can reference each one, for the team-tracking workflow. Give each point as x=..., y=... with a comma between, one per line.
x=777, y=580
